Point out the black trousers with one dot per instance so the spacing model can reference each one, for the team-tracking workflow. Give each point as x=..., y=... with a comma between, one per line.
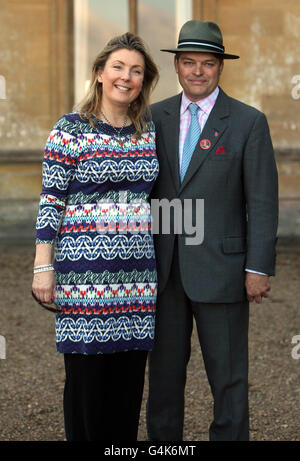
x=103, y=395
x=223, y=336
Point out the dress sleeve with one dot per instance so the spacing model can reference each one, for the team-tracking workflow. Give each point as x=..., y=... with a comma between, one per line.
x=59, y=163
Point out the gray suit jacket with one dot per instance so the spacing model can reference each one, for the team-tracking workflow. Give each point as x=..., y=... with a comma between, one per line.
x=239, y=186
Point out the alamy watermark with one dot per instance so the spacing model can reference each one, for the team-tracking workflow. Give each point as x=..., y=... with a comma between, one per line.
x=296, y=349
x=2, y=347
x=2, y=87
x=138, y=216
x=296, y=89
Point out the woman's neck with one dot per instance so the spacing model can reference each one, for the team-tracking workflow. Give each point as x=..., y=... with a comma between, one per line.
x=116, y=115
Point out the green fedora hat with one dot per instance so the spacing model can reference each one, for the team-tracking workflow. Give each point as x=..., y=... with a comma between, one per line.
x=205, y=37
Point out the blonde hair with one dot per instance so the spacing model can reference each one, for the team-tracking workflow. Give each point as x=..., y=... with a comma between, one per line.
x=138, y=110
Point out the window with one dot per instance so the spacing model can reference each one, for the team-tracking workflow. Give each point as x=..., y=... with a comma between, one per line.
x=159, y=23
x=95, y=23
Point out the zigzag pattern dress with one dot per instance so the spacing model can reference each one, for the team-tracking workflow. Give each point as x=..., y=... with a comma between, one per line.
x=94, y=209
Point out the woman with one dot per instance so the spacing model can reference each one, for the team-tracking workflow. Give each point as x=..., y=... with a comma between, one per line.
x=100, y=166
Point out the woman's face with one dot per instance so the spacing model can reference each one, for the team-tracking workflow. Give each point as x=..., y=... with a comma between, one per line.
x=122, y=77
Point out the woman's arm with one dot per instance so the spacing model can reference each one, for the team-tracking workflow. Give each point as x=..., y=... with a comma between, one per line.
x=60, y=155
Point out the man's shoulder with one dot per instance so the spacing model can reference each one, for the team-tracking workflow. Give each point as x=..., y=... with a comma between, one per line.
x=239, y=108
x=157, y=108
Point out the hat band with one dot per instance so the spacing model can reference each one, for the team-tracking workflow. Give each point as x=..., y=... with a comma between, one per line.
x=187, y=43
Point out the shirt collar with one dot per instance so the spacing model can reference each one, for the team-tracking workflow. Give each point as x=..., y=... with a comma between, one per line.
x=205, y=104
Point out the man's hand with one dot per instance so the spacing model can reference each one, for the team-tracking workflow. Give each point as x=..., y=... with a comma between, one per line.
x=257, y=286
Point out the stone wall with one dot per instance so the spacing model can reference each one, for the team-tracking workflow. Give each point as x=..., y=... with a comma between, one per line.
x=36, y=62
x=36, y=56
x=265, y=34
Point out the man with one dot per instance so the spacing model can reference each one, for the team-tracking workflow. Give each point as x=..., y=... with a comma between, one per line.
x=219, y=150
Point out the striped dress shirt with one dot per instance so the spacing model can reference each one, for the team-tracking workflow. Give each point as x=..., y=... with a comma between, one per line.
x=206, y=105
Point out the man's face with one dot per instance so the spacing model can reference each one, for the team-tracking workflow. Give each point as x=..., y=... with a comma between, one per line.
x=198, y=74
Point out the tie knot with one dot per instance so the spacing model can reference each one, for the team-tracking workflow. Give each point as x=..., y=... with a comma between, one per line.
x=193, y=108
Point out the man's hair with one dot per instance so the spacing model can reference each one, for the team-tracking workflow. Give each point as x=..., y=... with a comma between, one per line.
x=138, y=110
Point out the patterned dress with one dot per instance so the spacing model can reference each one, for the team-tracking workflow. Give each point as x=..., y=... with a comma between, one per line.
x=94, y=209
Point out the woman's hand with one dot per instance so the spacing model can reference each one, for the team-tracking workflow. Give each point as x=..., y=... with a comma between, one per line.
x=43, y=286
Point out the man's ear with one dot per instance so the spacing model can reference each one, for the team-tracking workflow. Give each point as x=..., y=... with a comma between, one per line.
x=221, y=67
x=176, y=64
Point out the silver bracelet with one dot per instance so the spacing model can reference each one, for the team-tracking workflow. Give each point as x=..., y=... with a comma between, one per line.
x=43, y=265
x=45, y=268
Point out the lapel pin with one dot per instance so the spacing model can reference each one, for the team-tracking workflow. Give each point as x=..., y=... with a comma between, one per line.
x=205, y=144
x=216, y=134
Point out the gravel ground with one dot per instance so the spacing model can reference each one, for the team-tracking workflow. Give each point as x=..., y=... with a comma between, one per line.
x=32, y=375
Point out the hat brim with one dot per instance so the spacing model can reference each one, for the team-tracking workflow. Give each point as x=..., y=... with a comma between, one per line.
x=201, y=50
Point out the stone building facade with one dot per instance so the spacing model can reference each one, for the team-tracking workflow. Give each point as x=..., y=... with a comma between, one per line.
x=47, y=47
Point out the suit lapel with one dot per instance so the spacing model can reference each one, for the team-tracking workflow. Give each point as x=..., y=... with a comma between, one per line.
x=170, y=131
x=217, y=122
